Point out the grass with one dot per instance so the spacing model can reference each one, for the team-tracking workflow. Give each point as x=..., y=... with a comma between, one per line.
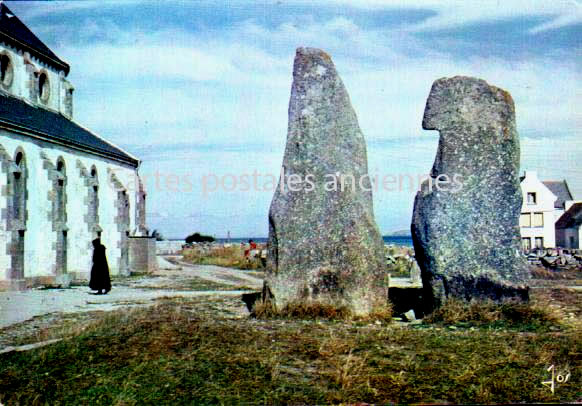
x=231, y=257
x=401, y=266
x=539, y=272
x=509, y=315
x=317, y=311
x=177, y=353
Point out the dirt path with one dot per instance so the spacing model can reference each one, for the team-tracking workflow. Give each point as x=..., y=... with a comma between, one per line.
x=181, y=280
x=218, y=274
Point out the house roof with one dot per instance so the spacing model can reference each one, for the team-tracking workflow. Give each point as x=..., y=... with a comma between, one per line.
x=14, y=32
x=561, y=190
x=19, y=116
x=571, y=218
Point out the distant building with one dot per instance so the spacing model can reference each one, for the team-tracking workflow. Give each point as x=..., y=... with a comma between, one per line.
x=544, y=203
x=569, y=227
x=562, y=192
x=61, y=184
x=537, y=213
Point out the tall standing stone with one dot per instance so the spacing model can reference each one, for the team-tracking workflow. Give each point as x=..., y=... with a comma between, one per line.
x=466, y=235
x=324, y=245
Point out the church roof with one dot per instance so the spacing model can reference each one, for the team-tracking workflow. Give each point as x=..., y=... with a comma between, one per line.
x=14, y=32
x=561, y=190
x=19, y=116
x=571, y=218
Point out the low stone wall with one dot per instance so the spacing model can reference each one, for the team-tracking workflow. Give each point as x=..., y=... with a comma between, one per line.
x=556, y=258
x=169, y=247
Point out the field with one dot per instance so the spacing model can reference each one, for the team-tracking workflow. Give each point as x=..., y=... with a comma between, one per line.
x=210, y=351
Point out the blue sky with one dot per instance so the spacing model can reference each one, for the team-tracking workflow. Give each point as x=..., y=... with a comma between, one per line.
x=201, y=89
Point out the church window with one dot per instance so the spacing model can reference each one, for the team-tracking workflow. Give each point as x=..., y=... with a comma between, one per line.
x=6, y=71
x=19, y=196
x=94, y=197
x=43, y=87
x=60, y=192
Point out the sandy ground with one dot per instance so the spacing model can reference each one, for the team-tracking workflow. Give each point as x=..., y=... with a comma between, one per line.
x=171, y=280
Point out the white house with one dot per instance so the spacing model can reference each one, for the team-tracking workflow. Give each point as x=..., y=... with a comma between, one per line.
x=544, y=202
x=61, y=184
x=537, y=213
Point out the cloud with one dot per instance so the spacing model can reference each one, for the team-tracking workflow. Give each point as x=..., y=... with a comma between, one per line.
x=561, y=21
x=554, y=159
x=458, y=13
x=38, y=9
x=461, y=13
x=194, y=100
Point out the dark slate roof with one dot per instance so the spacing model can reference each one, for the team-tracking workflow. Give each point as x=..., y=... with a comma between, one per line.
x=571, y=218
x=19, y=116
x=561, y=190
x=13, y=31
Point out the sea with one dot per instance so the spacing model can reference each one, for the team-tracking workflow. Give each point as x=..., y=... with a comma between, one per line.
x=403, y=241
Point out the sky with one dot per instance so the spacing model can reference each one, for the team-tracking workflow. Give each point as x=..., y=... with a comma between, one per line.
x=199, y=90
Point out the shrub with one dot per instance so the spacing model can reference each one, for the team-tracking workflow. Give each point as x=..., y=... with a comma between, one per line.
x=197, y=237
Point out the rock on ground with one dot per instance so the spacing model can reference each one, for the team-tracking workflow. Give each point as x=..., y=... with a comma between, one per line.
x=466, y=235
x=324, y=244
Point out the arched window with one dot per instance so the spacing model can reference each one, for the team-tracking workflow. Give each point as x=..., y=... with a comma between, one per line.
x=60, y=216
x=6, y=71
x=19, y=191
x=44, y=89
x=94, y=198
x=17, y=217
x=123, y=227
x=60, y=190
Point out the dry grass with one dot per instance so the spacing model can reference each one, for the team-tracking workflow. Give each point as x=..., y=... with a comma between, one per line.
x=402, y=266
x=510, y=314
x=539, y=272
x=181, y=352
x=318, y=311
x=230, y=257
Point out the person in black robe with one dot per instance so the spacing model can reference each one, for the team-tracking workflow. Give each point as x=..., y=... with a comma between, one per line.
x=100, y=270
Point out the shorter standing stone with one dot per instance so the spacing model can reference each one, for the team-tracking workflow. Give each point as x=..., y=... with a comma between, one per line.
x=465, y=225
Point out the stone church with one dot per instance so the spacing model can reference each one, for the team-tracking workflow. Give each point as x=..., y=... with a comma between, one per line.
x=61, y=185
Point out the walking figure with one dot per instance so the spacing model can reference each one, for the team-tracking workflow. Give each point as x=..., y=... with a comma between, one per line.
x=100, y=270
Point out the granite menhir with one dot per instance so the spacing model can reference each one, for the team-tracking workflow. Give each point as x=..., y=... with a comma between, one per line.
x=466, y=232
x=324, y=245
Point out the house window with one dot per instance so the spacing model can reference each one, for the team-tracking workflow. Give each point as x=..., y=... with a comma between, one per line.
x=540, y=242
x=525, y=220
x=44, y=89
x=526, y=244
x=572, y=242
x=531, y=198
x=538, y=220
x=6, y=71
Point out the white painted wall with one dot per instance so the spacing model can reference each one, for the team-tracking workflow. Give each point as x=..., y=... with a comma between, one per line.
x=39, y=237
x=544, y=204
